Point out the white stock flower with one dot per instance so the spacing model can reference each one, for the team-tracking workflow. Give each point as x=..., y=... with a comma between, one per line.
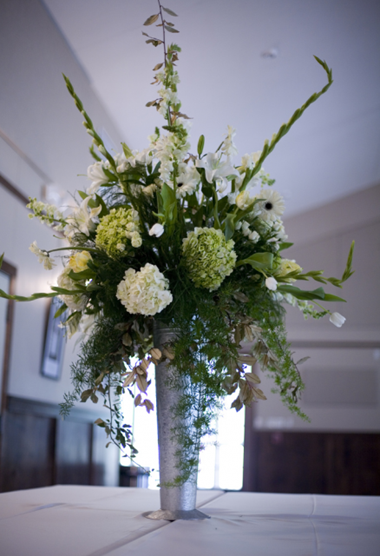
x=254, y=236
x=271, y=283
x=43, y=256
x=337, y=319
x=95, y=172
x=145, y=292
x=156, y=230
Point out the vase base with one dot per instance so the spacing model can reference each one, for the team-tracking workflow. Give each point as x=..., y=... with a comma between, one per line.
x=169, y=515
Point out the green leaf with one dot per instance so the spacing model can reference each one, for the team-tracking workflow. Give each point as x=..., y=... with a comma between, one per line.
x=152, y=19
x=207, y=189
x=330, y=297
x=285, y=245
x=127, y=151
x=302, y=294
x=169, y=203
x=31, y=298
x=229, y=226
x=259, y=261
x=60, y=311
x=83, y=275
x=1, y=260
x=170, y=12
x=61, y=291
x=348, y=270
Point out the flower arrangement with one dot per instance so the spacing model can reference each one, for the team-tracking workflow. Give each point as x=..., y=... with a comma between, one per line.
x=193, y=241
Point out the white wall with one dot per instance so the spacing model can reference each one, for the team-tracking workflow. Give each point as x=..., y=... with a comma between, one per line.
x=42, y=141
x=342, y=376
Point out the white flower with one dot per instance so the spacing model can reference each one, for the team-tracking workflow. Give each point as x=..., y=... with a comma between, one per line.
x=145, y=292
x=248, y=161
x=81, y=219
x=271, y=283
x=245, y=228
x=272, y=206
x=188, y=181
x=244, y=199
x=254, y=236
x=337, y=319
x=43, y=256
x=229, y=147
x=77, y=301
x=143, y=157
x=156, y=230
x=79, y=261
x=121, y=163
x=216, y=170
x=95, y=172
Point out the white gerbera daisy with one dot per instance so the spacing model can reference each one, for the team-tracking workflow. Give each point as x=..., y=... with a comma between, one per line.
x=273, y=205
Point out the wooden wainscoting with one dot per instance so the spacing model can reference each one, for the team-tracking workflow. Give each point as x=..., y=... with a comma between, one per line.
x=310, y=462
x=40, y=449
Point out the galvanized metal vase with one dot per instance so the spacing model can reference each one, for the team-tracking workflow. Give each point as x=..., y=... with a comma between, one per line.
x=177, y=502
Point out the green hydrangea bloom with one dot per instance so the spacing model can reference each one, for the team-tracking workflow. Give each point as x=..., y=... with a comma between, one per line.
x=209, y=258
x=116, y=228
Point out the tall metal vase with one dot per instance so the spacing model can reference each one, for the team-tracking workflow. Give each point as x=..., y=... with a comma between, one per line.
x=177, y=502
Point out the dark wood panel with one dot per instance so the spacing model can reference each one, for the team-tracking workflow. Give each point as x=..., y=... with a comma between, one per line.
x=320, y=463
x=39, y=449
x=27, y=452
x=73, y=452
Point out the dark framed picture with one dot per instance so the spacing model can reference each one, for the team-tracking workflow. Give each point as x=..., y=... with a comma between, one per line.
x=52, y=358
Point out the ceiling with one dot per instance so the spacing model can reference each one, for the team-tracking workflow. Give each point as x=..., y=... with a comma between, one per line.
x=249, y=64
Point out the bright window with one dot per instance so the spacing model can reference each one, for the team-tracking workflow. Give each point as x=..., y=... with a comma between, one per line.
x=221, y=462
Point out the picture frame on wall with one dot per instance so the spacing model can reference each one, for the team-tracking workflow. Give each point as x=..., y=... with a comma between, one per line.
x=54, y=345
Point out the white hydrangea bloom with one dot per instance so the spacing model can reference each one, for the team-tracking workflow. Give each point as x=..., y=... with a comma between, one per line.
x=145, y=292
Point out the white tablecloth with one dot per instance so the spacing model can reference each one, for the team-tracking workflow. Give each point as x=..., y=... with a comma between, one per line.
x=100, y=521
